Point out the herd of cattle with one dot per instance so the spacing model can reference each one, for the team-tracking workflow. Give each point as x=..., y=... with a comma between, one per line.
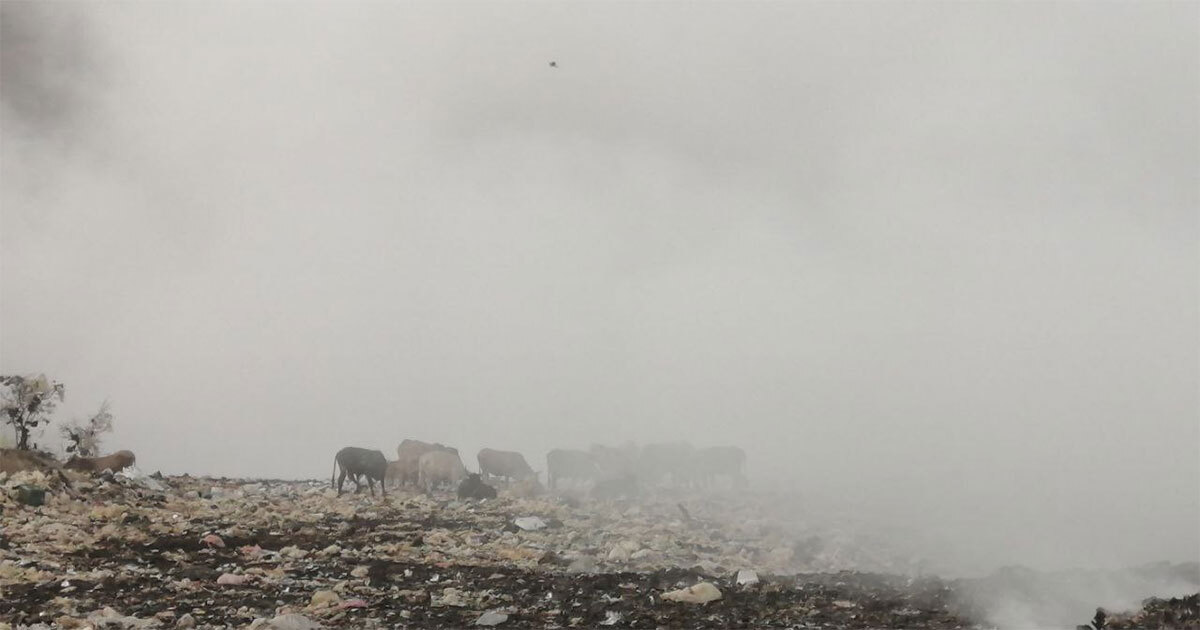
x=610, y=471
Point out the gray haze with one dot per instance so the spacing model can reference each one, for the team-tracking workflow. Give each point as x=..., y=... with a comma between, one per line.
x=937, y=263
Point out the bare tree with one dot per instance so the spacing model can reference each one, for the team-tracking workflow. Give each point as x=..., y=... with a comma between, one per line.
x=83, y=439
x=26, y=402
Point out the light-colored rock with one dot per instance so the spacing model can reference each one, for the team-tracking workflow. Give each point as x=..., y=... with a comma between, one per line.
x=322, y=599
x=291, y=621
x=450, y=596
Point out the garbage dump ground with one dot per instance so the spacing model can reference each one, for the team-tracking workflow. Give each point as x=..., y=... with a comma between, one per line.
x=137, y=551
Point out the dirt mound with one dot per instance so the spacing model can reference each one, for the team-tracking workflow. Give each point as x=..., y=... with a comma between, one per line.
x=13, y=460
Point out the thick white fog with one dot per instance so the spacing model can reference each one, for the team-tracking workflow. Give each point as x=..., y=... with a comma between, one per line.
x=933, y=263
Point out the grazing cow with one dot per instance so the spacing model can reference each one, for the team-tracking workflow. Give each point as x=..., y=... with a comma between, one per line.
x=624, y=487
x=569, y=464
x=614, y=462
x=116, y=462
x=720, y=461
x=406, y=469
x=508, y=464
x=673, y=459
x=356, y=461
x=440, y=468
x=473, y=488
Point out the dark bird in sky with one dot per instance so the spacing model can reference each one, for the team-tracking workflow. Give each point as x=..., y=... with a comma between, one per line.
x=553, y=64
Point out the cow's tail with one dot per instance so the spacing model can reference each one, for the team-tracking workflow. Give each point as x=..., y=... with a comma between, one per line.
x=333, y=474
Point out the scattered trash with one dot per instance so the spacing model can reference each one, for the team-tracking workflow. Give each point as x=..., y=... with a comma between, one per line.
x=611, y=618
x=134, y=475
x=232, y=579
x=322, y=599
x=701, y=593
x=530, y=523
x=491, y=618
x=450, y=597
x=251, y=551
x=175, y=559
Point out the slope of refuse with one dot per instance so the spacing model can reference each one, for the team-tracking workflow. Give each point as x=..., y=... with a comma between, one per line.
x=132, y=551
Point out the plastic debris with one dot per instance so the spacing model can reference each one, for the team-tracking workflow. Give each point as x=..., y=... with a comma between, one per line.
x=491, y=618
x=134, y=475
x=530, y=523
x=232, y=579
x=746, y=577
x=701, y=593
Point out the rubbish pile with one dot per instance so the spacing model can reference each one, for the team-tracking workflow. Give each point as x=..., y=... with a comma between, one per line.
x=138, y=551
x=1174, y=612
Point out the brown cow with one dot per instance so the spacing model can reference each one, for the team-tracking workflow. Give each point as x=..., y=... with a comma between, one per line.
x=116, y=462
x=406, y=469
x=508, y=464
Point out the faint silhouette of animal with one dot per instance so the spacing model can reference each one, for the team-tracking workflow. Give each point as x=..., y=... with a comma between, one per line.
x=670, y=459
x=473, y=487
x=355, y=461
x=440, y=468
x=720, y=461
x=508, y=464
x=116, y=462
x=623, y=487
x=614, y=462
x=569, y=464
x=525, y=488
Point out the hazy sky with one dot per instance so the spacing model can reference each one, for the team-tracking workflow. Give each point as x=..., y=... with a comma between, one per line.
x=940, y=261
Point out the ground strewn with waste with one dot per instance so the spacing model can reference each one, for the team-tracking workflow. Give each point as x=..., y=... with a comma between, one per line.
x=121, y=552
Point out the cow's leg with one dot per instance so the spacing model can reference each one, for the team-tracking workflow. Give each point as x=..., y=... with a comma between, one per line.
x=341, y=480
x=371, y=484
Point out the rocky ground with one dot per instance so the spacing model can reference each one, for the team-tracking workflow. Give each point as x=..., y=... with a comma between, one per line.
x=131, y=551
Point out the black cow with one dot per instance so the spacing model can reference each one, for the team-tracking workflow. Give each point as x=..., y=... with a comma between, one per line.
x=356, y=461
